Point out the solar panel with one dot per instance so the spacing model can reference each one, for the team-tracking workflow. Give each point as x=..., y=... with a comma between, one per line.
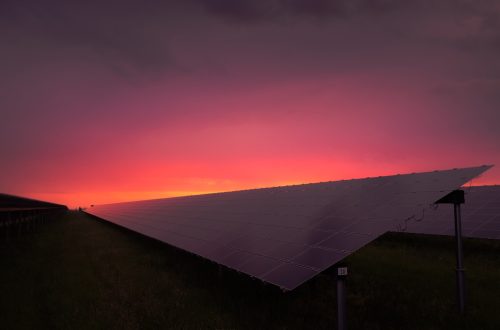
x=480, y=216
x=286, y=235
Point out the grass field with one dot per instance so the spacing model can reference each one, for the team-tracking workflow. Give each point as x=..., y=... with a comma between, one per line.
x=79, y=273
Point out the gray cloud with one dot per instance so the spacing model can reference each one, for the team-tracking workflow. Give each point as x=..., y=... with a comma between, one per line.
x=250, y=10
x=136, y=39
x=120, y=35
x=464, y=24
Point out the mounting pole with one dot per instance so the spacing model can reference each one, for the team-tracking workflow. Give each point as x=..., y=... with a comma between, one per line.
x=460, y=256
x=456, y=198
x=341, y=297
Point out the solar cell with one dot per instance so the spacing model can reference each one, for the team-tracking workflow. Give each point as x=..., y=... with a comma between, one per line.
x=286, y=235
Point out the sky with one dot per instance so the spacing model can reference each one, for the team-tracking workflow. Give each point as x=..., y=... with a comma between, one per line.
x=106, y=101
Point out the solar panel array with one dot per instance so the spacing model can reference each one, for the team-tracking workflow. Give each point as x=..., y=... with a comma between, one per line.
x=18, y=202
x=286, y=235
x=480, y=216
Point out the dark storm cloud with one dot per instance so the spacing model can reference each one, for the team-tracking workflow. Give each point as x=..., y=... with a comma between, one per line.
x=464, y=24
x=265, y=9
x=117, y=33
x=248, y=10
x=133, y=38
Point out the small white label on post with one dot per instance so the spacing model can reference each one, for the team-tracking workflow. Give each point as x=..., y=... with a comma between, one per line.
x=342, y=271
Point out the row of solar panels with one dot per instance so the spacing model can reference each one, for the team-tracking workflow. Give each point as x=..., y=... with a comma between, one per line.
x=480, y=216
x=11, y=202
x=287, y=235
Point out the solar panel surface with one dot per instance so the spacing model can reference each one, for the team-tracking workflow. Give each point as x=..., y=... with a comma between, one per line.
x=286, y=235
x=480, y=215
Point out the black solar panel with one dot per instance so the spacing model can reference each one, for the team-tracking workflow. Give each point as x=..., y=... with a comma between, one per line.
x=287, y=235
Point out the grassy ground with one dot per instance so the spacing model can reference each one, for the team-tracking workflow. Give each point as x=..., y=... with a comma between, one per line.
x=79, y=273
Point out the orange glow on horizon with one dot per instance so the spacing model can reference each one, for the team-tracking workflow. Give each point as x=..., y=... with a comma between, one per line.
x=206, y=186
x=104, y=112
x=219, y=136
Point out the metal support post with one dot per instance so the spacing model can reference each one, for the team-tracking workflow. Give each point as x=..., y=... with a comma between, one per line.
x=341, y=298
x=460, y=265
x=456, y=198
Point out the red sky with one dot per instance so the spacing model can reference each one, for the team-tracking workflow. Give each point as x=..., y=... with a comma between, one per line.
x=100, y=105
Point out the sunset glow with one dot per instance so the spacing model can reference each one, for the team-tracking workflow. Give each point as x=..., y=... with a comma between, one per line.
x=137, y=105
